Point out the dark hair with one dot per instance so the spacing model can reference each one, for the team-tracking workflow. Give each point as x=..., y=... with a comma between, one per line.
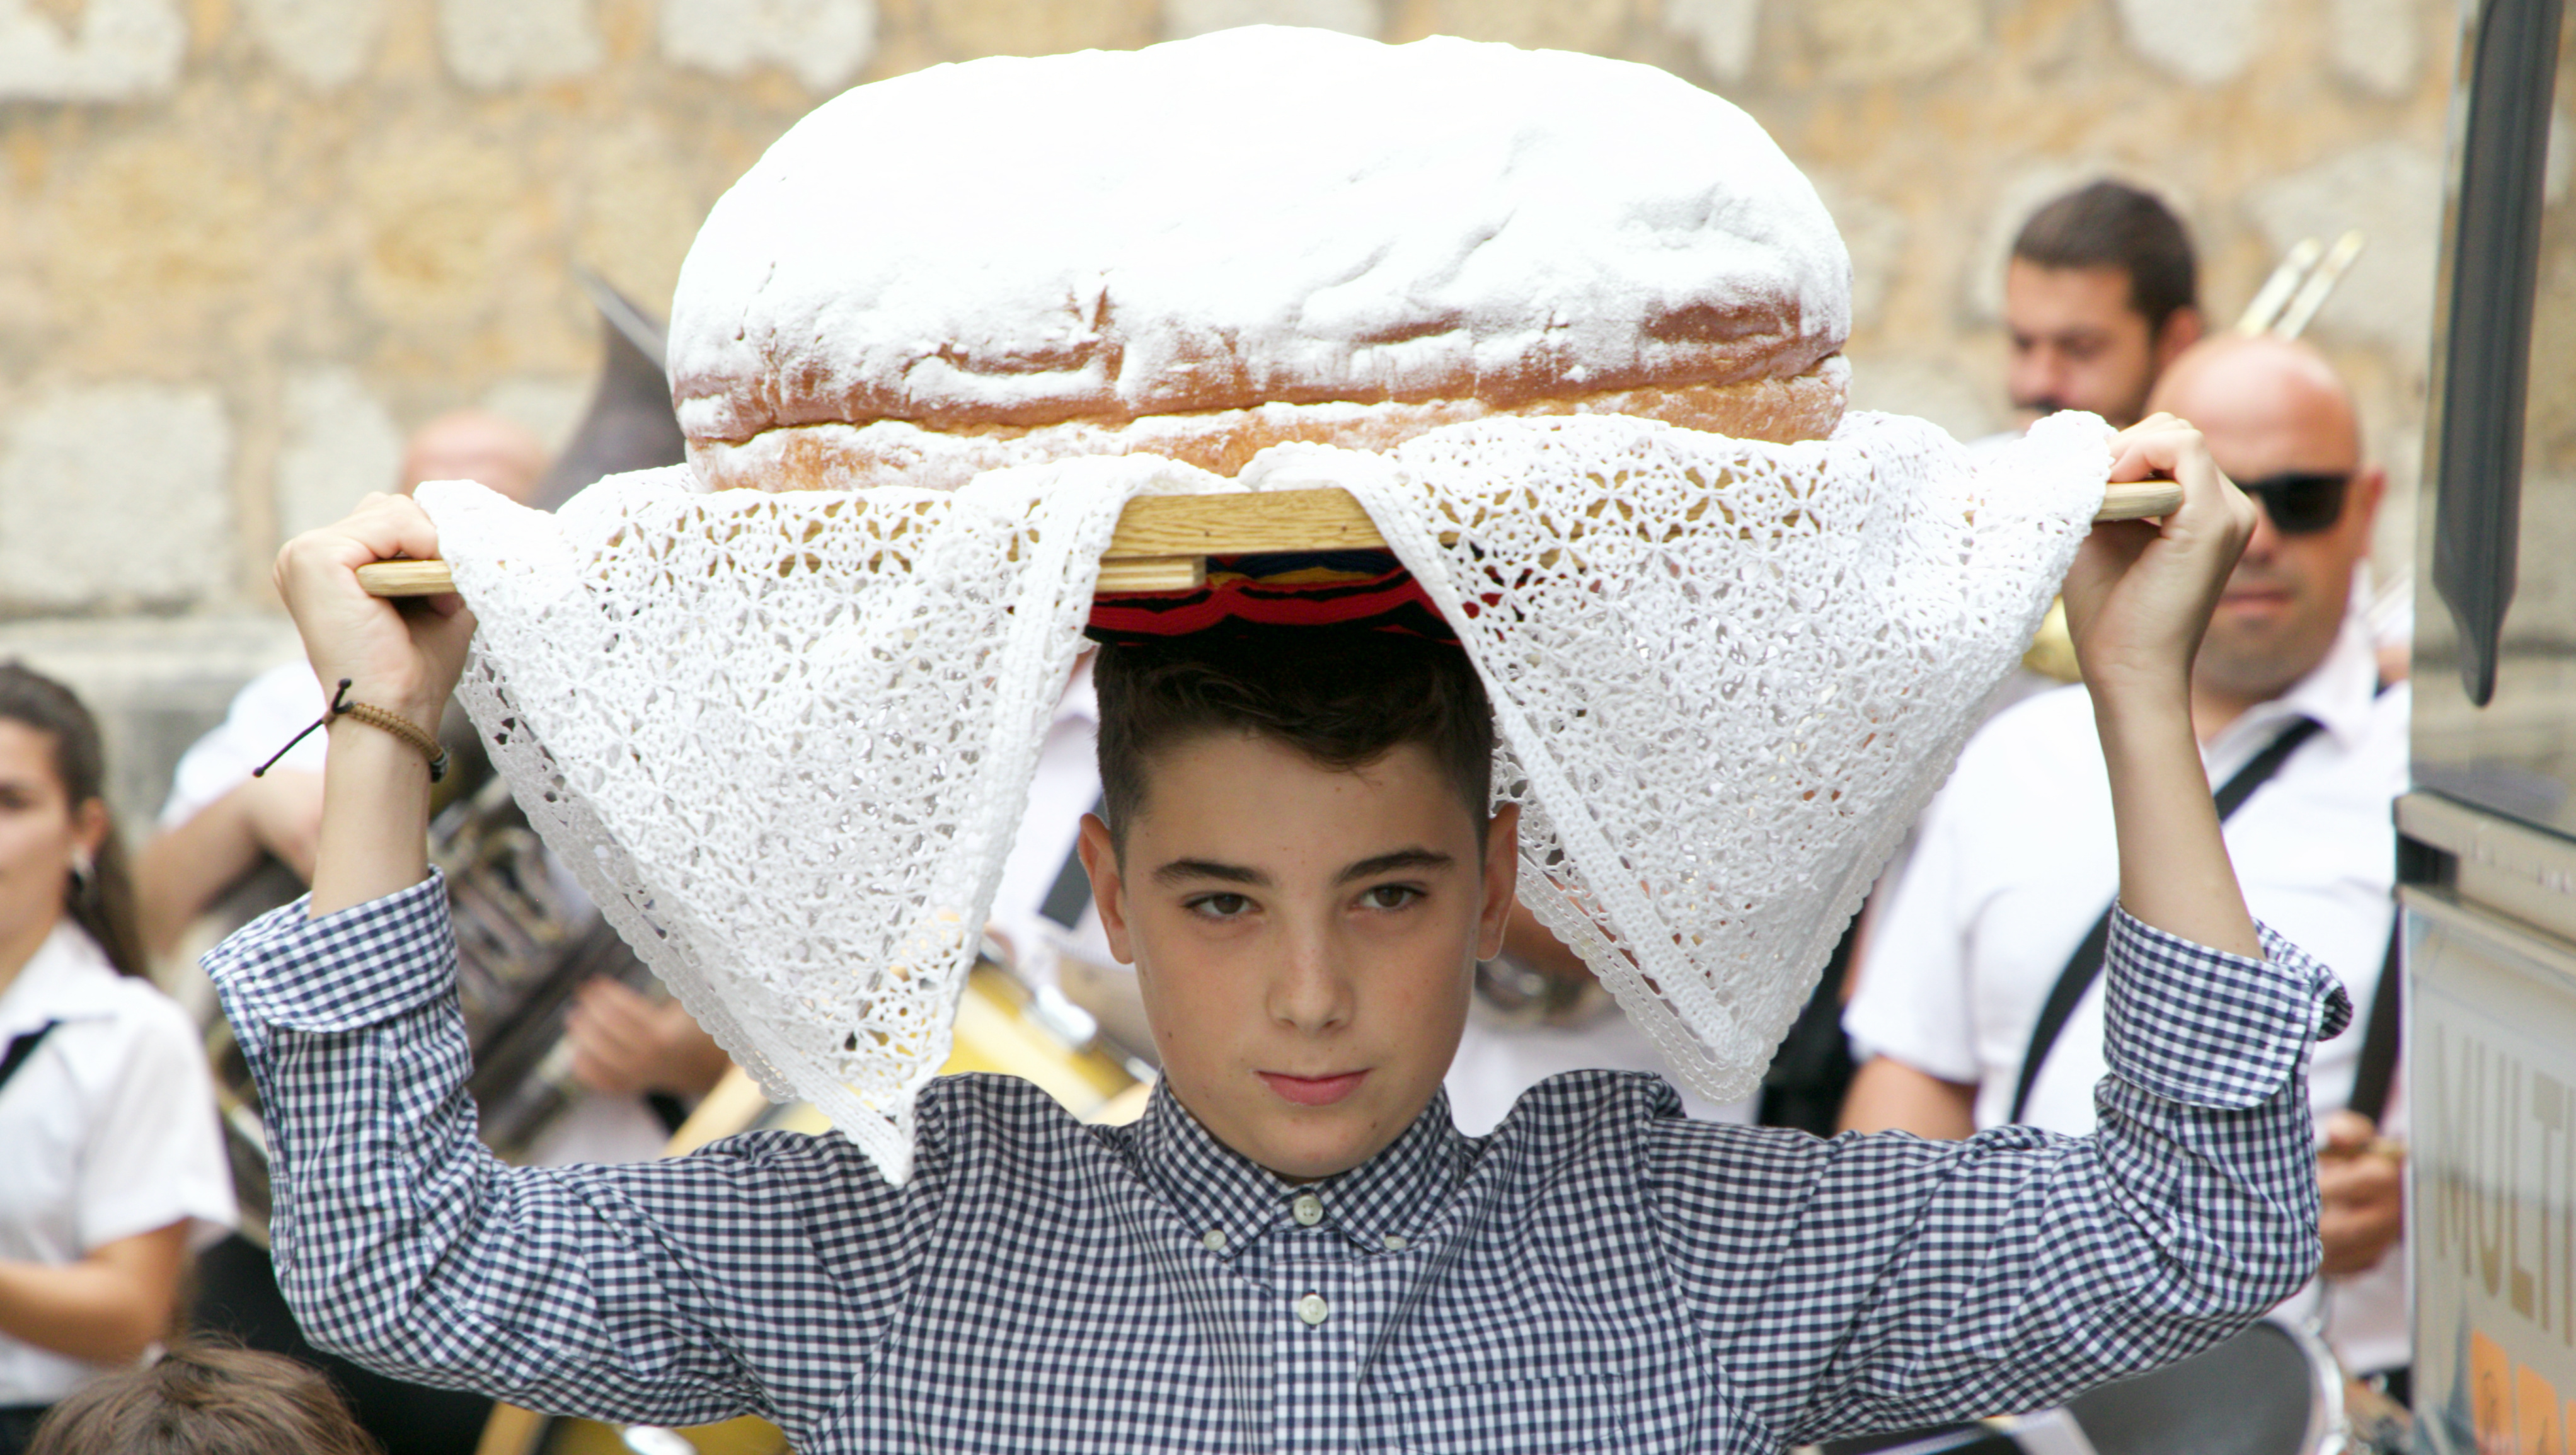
x=205, y=1399
x=1343, y=696
x=102, y=902
x=2113, y=225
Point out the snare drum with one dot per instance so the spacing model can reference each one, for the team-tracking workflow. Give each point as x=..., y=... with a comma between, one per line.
x=2274, y=1389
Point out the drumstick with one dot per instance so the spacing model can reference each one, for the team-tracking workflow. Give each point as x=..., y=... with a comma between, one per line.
x=1163, y=541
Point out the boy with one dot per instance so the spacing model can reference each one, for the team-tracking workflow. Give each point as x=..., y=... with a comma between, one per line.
x=1294, y=1249
x=205, y=1399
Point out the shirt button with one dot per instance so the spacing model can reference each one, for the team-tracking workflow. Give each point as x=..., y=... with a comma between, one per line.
x=1308, y=1209
x=1395, y=1242
x=1215, y=1240
x=1313, y=1309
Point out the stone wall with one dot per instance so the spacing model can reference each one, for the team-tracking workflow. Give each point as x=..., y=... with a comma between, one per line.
x=246, y=244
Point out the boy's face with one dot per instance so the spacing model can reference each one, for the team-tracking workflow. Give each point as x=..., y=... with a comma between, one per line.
x=1304, y=937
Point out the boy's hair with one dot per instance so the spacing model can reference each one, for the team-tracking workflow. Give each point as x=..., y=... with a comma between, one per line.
x=2113, y=225
x=205, y=1399
x=1343, y=696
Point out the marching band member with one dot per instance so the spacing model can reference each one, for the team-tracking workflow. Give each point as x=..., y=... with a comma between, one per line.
x=115, y=1166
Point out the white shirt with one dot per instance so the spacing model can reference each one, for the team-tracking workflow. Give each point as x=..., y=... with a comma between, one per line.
x=2017, y=859
x=109, y=1128
x=1498, y=1061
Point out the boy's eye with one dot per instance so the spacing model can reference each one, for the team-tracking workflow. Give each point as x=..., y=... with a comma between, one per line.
x=1221, y=906
x=1390, y=896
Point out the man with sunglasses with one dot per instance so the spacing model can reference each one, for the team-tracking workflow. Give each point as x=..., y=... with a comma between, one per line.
x=1977, y=960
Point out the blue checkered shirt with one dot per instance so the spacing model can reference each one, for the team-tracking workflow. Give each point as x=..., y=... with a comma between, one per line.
x=1598, y=1272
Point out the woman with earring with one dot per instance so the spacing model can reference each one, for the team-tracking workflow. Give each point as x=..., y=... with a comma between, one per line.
x=111, y=1164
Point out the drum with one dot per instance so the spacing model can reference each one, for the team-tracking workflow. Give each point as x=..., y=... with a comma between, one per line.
x=2274, y=1389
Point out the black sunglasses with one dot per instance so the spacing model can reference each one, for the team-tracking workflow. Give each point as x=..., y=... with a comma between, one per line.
x=2298, y=502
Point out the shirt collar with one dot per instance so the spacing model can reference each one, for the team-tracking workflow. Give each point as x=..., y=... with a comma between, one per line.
x=2337, y=692
x=1230, y=1202
x=66, y=979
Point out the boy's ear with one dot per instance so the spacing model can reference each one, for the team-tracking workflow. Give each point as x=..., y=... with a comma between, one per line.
x=1108, y=885
x=1502, y=879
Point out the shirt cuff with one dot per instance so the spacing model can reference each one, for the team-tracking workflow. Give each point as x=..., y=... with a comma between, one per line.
x=359, y=967
x=2207, y=1028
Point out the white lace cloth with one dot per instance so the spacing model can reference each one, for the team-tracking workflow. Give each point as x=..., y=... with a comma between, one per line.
x=785, y=739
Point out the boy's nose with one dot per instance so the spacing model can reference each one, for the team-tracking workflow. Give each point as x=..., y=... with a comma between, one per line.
x=1311, y=990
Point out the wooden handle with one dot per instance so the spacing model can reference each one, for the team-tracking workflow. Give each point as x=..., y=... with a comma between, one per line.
x=1163, y=541
x=406, y=578
x=2139, y=499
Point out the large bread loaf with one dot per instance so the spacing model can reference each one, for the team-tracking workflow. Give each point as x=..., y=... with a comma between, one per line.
x=1210, y=246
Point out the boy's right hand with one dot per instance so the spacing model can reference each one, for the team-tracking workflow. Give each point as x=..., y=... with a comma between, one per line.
x=404, y=660
x=2140, y=593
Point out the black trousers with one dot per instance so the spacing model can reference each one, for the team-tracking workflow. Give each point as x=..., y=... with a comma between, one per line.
x=18, y=1426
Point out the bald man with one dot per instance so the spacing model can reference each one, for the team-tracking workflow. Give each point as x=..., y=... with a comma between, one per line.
x=2017, y=860
x=477, y=445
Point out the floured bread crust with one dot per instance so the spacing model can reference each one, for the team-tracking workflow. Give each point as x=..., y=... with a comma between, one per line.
x=899, y=452
x=1252, y=236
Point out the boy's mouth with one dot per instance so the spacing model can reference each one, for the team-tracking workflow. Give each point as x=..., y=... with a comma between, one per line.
x=1313, y=1090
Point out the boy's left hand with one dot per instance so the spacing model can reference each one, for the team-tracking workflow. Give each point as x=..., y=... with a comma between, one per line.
x=2140, y=592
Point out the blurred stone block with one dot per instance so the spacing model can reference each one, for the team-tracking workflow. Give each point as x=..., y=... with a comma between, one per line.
x=324, y=43
x=1185, y=18
x=1886, y=40
x=1726, y=31
x=823, y=43
x=1874, y=233
x=340, y=444
x=970, y=28
x=496, y=44
x=1599, y=26
x=2392, y=191
x=107, y=50
x=2206, y=42
x=115, y=495
x=2378, y=44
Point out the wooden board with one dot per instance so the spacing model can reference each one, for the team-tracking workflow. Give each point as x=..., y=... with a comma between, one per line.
x=1163, y=541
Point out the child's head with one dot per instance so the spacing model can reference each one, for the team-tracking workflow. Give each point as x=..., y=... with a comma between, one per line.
x=205, y=1399
x=1298, y=860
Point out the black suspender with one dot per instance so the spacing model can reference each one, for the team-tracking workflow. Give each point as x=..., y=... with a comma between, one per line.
x=22, y=1046
x=2085, y=965
x=2377, y=1073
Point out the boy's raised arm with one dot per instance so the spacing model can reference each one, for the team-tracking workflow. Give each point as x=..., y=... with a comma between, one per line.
x=399, y=1239
x=1935, y=1281
x=2137, y=600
